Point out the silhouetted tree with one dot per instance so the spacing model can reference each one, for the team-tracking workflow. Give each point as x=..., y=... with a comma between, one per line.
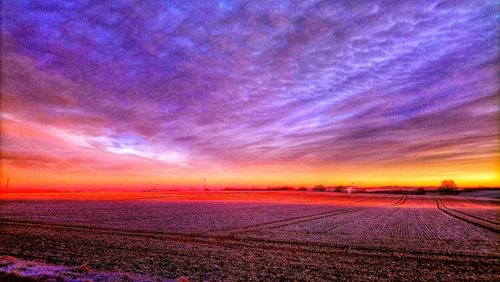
x=448, y=186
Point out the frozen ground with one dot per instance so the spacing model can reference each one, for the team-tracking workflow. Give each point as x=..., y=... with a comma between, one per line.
x=14, y=269
x=258, y=235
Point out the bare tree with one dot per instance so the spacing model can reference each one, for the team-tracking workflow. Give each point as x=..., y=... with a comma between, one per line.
x=448, y=186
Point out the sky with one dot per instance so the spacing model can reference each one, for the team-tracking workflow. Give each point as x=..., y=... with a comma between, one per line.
x=137, y=94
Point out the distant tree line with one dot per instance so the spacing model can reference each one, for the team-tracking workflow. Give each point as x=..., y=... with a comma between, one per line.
x=446, y=187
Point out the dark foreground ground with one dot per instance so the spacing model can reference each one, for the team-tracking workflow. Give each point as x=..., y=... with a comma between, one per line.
x=254, y=236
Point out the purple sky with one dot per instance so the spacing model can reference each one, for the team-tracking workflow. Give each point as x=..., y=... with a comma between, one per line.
x=192, y=85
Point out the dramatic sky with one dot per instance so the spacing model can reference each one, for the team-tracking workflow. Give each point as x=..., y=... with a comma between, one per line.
x=132, y=94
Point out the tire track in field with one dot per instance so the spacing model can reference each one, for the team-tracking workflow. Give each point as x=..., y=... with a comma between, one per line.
x=451, y=212
x=400, y=202
x=406, y=223
x=477, y=203
x=470, y=215
x=302, y=219
x=292, y=219
x=476, y=217
x=317, y=216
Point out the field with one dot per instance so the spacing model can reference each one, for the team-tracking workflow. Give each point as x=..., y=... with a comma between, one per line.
x=281, y=235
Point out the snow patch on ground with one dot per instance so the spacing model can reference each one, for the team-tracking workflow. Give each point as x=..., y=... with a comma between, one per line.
x=13, y=269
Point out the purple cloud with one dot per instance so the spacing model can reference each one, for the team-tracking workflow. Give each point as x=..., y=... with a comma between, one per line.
x=251, y=82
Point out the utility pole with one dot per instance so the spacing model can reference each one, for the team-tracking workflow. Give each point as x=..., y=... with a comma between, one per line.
x=7, y=186
x=204, y=184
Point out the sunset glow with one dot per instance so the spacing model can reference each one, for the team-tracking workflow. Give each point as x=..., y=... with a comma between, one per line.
x=245, y=94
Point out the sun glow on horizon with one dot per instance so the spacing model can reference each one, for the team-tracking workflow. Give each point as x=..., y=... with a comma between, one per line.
x=255, y=94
